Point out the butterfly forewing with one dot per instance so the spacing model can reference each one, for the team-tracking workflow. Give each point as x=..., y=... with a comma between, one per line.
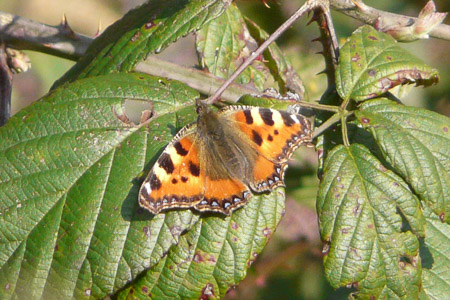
x=275, y=135
x=176, y=180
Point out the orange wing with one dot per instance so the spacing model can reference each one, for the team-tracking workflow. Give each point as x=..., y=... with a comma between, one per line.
x=176, y=179
x=224, y=195
x=274, y=135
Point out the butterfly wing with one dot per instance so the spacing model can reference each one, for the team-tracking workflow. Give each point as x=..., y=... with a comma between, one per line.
x=274, y=135
x=176, y=180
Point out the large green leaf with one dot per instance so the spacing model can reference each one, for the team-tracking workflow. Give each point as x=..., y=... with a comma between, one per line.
x=70, y=224
x=147, y=29
x=362, y=207
x=416, y=142
x=371, y=63
x=214, y=255
x=223, y=45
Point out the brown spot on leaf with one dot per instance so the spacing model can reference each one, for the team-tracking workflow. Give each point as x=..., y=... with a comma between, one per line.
x=370, y=226
x=87, y=292
x=144, y=289
x=389, y=58
x=234, y=225
x=326, y=249
x=373, y=38
x=198, y=258
x=267, y=231
x=442, y=216
x=445, y=129
x=149, y=25
x=356, y=57
x=175, y=230
x=372, y=72
x=207, y=291
x=365, y=120
x=147, y=231
x=136, y=36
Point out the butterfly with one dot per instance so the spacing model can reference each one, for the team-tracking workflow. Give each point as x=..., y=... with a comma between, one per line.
x=217, y=162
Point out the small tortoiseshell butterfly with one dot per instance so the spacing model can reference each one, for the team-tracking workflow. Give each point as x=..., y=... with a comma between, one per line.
x=215, y=163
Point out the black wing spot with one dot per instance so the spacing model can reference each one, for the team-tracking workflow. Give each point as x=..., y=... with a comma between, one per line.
x=174, y=181
x=275, y=132
x=184, y=179
x=248, y=117
x=180, y=150
x=257, y=138
x=270, y=138
x=288, y=121
x=166, y=163
x=155, y=183
x=194, y=169
x=266, y=116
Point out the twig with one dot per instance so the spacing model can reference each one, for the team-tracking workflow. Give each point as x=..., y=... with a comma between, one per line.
x=370, y=15
x=24, y=34
x=192, y=77
x=5, y=86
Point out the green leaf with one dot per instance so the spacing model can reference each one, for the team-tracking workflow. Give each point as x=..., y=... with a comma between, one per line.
x=70, y=224
x=416, y=142
x=147, y=29
x=371, y=63
x=214, y=255
x=278, y=63
x=269, y=101
x=223, y=45
x=364, y=212
x=435, y=259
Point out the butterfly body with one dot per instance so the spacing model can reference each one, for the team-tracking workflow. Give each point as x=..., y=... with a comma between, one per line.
x=215, y=163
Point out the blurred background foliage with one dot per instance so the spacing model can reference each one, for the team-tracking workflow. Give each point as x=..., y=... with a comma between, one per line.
x=291, y=265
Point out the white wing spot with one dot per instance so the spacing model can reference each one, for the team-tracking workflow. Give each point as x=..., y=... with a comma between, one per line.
x=294, y=117
x=148, y=188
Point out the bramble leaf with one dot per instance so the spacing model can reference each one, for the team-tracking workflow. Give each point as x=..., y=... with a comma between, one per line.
x=371, y=63
x=361, y=207
x=416, y=142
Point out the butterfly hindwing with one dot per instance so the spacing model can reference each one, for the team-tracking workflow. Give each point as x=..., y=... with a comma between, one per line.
x=176, y=179
x=223, y=195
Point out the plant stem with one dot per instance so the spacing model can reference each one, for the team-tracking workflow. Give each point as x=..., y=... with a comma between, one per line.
x=327, y=124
